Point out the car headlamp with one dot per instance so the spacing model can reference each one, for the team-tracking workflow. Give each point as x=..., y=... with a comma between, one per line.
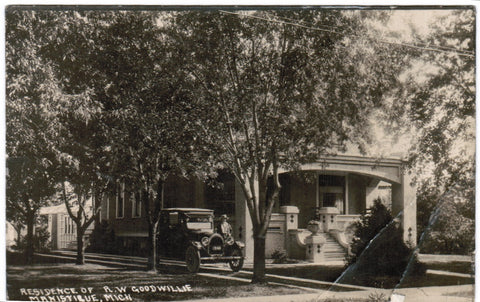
x=205, y=241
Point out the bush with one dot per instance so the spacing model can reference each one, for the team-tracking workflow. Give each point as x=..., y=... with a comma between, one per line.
x=378, y=262
x=446, y=220
x=370, y=224
x=450, y=233
x=41, y=241
x=279, y=256
x=102, y=239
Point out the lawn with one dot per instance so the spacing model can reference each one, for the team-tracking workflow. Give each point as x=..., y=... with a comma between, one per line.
x=125, y=284
x=331, y=273
x=317, y=272
x=454, y=266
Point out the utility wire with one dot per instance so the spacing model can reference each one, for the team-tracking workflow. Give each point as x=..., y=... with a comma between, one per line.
x=417, y=45
x=420, y=47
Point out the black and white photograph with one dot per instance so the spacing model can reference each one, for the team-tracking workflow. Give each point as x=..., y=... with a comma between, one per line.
x=239, y=153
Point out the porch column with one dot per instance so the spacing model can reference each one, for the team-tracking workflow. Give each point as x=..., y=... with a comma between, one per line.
x=243, y=223
x=404, y=202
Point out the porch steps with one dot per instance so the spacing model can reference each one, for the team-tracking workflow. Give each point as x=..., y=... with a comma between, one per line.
x=333, y=251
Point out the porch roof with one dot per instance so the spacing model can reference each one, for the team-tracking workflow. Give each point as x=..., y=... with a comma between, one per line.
x=387, y=169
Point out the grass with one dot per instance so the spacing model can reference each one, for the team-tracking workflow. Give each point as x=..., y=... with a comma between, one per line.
x=456, y=267
x=330, y=274
x=46, y=274
x=315, y=272
x=435, y=280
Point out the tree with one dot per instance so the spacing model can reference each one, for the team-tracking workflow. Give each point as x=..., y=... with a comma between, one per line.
x=275, y=89
x=124, y=123
x=438, y=100
x=32, y=93
x=69, y=115
x=145, y=124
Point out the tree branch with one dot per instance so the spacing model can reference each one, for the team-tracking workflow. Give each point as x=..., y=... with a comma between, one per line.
x=67, y=204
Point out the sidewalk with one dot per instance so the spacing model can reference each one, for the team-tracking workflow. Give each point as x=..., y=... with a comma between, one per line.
x=456, y=293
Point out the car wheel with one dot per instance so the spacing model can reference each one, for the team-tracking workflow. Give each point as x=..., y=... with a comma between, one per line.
x=192, y=258
x=236, y=264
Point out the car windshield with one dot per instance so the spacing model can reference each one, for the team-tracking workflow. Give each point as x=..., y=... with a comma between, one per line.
x=196, y=222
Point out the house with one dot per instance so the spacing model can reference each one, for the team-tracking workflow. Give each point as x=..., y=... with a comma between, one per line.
x=335, y=190
x=62, y=229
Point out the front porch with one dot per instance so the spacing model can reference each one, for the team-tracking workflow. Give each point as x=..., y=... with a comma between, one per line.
x=334, y=191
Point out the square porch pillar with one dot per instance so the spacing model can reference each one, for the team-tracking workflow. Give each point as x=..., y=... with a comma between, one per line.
x=404, y=202
x=243, y=223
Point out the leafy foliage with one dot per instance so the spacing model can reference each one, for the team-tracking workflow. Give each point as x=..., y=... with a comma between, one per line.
x=369, y=226
x=268, y=95
x=377, y=250
x=439, y=100
x=32, y=94
x=449, y=231
x=41, y=238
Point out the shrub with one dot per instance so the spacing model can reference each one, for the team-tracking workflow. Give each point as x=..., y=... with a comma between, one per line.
x=446, y=220
x=279, y=256
x=102, y=239
x=379, y=253
x=41, y=241
x=450, y=233
x=370, y=224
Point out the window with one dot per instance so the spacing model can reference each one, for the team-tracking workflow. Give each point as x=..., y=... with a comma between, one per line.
x=69, y=225
x=120, y=200
x=331, y=189
x=173, y=218
x=136, y=205
x=329, y=199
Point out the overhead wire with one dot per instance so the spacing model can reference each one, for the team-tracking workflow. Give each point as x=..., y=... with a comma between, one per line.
x=420, y=47
x=389, y=42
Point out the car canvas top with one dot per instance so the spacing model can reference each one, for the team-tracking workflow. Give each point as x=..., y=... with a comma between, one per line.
x=188, y=210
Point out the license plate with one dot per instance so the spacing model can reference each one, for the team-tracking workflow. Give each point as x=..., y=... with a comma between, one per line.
x=216, y=248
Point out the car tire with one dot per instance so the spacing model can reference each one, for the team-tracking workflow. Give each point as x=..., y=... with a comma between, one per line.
x=192, y=259
x=237, y=264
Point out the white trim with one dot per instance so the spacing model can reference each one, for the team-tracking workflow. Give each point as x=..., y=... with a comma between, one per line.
x=134, y=202
x=107, y=215
x=346, y=192
x=121, y=193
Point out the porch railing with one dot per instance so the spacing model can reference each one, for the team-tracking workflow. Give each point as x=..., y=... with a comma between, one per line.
x=344, y=221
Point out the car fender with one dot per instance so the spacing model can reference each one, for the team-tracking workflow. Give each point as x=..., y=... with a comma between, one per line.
x=240, y=244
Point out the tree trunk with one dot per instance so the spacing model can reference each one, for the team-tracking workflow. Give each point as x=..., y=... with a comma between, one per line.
x=152, y=248
x=259, y=259
x=80, y=248
x=18, y=229
x=29, y=248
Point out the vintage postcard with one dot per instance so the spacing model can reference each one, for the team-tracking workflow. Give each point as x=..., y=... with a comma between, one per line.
x=240, y=153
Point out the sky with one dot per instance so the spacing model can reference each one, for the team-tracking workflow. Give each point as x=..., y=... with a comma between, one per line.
x=399, y=28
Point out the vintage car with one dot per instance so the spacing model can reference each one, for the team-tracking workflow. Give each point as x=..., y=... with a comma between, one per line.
x=189, y=234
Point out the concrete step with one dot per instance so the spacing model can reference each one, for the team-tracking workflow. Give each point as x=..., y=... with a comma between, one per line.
x=333, y=248
x=333, y=251
x=340, y=255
